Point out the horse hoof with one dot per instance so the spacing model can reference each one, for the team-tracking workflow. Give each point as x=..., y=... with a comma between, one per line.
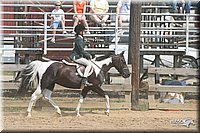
x=29, y=115
x=58, y=112
x=107, y=113
x=78, y=115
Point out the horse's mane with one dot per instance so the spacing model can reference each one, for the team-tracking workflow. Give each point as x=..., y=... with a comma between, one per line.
x=100, y=58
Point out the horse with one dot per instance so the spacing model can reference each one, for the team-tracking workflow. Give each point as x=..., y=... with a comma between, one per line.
x=44, y=75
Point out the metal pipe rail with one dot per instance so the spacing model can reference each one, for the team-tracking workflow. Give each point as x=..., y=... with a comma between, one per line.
x=110, y=6
x=146, y=32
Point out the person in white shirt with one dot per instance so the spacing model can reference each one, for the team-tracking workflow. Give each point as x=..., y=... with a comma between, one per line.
x=101, y=7
x=123, y=10
x=123, y=6
x=57, y=18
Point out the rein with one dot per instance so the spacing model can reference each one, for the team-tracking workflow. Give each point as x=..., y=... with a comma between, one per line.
x=96, y=65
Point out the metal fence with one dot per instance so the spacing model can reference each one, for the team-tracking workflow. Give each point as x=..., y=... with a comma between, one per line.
x=159, y=30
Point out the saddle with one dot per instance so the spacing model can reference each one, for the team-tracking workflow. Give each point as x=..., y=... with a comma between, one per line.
x=79, y=67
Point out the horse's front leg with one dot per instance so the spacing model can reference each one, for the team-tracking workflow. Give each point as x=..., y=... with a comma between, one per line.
x=102, y=93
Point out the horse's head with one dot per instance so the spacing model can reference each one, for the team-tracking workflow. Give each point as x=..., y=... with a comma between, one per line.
x=120, y=64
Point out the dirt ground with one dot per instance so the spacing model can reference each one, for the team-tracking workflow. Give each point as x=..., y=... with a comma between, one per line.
x=121, y=118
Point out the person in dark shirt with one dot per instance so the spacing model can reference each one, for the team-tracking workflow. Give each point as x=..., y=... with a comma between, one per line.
x=79, y=55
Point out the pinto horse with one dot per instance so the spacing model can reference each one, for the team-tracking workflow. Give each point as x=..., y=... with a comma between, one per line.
x=44, y=76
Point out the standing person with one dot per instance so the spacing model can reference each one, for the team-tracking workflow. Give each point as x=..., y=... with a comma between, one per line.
x=79, y=55
x=184, y=4
x=123, y=6
x=57, y=18
x=101, y=7
x=198, y=16
x=79, y=8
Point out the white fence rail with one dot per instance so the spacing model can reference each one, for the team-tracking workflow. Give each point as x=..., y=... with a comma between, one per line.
x=156, y=28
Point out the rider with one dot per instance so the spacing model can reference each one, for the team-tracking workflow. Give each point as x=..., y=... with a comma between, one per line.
x=79, y=55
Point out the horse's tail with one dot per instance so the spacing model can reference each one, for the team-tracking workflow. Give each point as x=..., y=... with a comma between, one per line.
x=29, y=77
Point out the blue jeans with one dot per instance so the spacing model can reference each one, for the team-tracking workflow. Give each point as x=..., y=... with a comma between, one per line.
x=185, y=6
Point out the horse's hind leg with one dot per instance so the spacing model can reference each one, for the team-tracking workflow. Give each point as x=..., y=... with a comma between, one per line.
x=34, y=97
x=47, y=95
x=82, y=96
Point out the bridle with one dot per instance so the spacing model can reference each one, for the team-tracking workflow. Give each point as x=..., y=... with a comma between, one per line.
x=119, y=65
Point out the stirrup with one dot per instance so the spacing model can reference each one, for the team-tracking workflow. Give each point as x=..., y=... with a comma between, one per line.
x=85, y=82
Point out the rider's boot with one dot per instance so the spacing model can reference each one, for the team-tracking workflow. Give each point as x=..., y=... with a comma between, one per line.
x=85, y=82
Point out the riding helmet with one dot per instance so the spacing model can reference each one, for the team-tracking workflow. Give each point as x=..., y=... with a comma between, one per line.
x=79, y=28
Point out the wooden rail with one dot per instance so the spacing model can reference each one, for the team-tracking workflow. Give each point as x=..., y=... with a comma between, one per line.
x=8, y=84
x=180, y=73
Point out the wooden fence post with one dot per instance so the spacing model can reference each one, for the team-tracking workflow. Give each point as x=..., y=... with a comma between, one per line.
x=134, y=51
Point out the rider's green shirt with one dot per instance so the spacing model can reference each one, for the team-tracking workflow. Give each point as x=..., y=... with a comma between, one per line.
x=78, y=51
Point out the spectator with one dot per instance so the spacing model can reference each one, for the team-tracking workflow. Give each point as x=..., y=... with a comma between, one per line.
x=101, y=7
x=79, y=55
x=184, y=4
x=198, y=7
x=198, y=12
x=123, y=6
x=57, y=18
x=80, y=8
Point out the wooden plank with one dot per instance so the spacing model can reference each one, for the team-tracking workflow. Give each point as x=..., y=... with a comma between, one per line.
x=174, y=71
x=12, y=67
x=17, y=67
x=9, y=85
x=188, y=106
x=112, y=88
x=173, y=88
x=151, y=79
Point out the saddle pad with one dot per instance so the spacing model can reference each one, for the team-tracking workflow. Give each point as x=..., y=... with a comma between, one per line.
x=78, y=68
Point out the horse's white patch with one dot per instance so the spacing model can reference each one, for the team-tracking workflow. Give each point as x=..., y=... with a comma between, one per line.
x=47, y=93
x=98, y=65
x=43, y=67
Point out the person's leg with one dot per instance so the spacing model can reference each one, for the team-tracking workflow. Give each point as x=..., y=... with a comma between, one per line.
x=187, y=6
x=120, y=22
x=84, y=21
x=88, y=65
x=54, y=32
x=76, y=20
x=54, y=26
x=123, y=18
x=174, y=6
x=105, y=18
x=63, y=26
x=95, y=18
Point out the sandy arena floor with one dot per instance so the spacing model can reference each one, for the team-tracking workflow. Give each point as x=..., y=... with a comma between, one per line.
x=93, y=117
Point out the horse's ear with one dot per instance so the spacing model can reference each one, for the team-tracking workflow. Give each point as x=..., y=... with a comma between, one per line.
x=122, y=53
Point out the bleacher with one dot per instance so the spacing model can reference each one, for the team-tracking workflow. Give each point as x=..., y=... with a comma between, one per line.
x=27, y=25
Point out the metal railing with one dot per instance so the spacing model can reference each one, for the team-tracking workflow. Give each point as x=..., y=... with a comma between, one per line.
x=153, y=29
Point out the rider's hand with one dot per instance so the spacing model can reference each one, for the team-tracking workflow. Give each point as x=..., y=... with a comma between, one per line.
x=90, y=57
